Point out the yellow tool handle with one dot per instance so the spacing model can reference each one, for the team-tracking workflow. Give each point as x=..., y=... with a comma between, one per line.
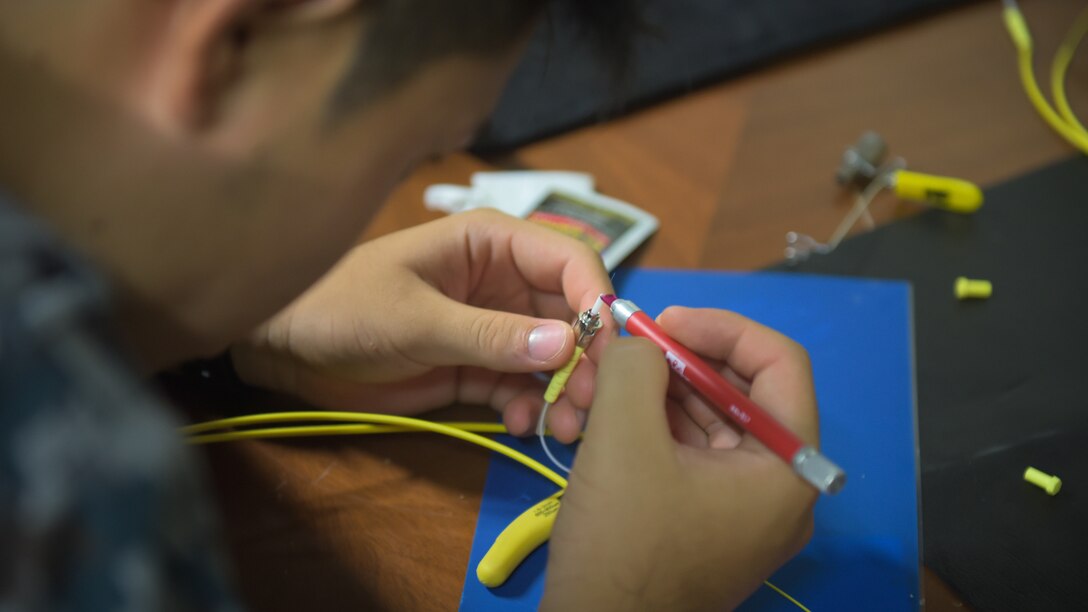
x=956, y=195
x=521, y=537
x=559, y=380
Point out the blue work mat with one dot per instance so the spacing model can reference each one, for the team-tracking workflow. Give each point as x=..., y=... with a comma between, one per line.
x=864, y=554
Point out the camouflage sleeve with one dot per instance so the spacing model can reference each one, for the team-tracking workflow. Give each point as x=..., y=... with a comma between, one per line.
x=101, y=505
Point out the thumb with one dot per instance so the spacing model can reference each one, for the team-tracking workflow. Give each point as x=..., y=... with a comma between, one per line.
x=627, y=421
x=492, y=339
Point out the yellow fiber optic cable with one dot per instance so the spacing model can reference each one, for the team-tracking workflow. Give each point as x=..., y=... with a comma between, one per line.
x=296, y=417
x=1062, y=58
x=1021, y=38
x=303, y=416
x=330, y=430
x=369, y=423
x=786, y=595
x=380, y=419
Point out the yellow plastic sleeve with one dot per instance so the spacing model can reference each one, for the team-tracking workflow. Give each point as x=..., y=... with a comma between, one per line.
x=521, y=537
x=952, y=194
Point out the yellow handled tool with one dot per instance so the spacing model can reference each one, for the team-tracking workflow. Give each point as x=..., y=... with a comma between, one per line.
x=521, y=537
x=956, y=195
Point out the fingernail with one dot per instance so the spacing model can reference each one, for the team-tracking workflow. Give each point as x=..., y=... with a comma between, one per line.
x=545, y=341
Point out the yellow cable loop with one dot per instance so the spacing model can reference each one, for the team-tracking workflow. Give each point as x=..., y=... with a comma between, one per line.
x=381, y=419
x=1062, y=58
x=369, y=423
x=1021, y=37
x=301, y=416
x=331, y=430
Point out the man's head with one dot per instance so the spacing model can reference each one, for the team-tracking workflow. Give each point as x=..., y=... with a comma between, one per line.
x=216, y=156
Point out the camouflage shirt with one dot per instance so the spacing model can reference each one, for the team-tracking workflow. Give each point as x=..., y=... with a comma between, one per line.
x=101, y=505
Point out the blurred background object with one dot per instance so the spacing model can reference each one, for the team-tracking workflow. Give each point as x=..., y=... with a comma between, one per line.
x=562, y=84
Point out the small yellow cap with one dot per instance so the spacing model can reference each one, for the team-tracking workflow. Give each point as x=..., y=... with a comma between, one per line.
x=1046, y=482
x=967, y=288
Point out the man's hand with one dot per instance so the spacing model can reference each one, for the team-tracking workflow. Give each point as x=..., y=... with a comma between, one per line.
x=669, y=508
x=462, y=309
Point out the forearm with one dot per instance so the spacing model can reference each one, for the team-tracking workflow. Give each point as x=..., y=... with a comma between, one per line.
x=601, y=591
x=606, y=592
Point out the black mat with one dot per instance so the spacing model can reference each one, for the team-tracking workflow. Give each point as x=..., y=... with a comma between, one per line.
x=1002, y=384
x=560, y=84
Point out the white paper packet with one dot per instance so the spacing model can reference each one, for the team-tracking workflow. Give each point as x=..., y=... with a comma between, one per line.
x=563, y=201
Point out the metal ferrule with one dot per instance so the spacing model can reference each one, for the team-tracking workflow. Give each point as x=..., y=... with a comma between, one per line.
x=622, y=310
x=818, y=470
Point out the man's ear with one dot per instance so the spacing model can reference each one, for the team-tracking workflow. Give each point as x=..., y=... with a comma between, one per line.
x=202, y=46
x=198, y=49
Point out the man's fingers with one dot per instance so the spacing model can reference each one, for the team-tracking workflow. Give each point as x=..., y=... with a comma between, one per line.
x=579, y=391
x=457, y=334
x=564, y=421
x=720, y=431
x=520, y=412
x=748, y=347
x=778, y=367
x=627, y=424
x=546, y=259
x=684, y=429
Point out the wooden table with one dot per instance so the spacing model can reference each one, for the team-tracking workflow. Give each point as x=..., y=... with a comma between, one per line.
x=387, y=522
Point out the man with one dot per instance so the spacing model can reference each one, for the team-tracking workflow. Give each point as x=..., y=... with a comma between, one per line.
x=214, y=161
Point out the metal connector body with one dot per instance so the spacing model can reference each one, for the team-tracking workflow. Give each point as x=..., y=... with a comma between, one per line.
x=586, y=326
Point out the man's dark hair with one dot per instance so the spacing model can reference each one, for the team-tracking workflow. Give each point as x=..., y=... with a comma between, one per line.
x=405, y=35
